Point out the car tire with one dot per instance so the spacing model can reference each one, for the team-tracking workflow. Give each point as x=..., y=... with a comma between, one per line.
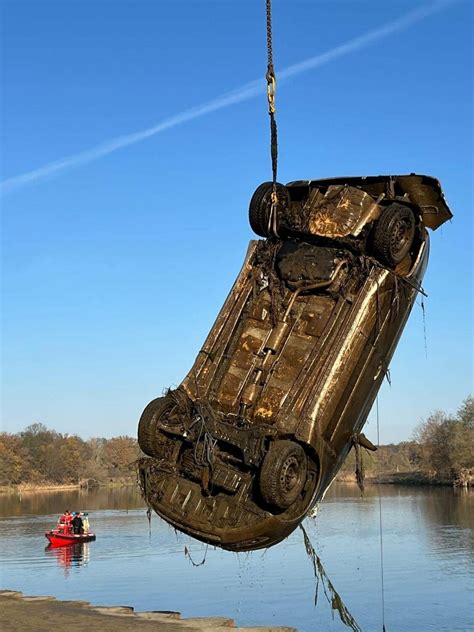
x=393, y=234
x=260, y=205
x=155, y=410
x=283, y=474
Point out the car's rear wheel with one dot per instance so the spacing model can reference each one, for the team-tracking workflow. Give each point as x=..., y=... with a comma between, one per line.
x=393, y=234
x=283, y=474
x=148, y=438
x=260, y=206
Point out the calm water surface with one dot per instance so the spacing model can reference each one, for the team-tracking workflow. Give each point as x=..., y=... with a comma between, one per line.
x=428, y=555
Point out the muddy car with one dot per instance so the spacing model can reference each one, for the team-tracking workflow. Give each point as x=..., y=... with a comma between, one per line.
x=252, y=438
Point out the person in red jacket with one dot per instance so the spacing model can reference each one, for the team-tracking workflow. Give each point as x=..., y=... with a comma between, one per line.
x=65, y=521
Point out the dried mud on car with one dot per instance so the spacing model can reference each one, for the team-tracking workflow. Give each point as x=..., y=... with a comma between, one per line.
x=251, y=439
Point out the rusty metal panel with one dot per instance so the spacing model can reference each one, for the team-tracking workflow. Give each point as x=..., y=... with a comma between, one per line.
x=317, y=314
x=340, y=212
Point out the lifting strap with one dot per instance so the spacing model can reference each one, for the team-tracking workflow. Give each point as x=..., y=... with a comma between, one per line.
x=271, y=89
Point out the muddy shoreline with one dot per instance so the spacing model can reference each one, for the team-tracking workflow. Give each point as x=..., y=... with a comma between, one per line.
x=19, y=613
x=52, y=487
x=399, y=478
x=406, y=479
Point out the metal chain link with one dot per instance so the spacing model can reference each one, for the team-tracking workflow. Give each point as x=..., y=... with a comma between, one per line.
x=271, y=89
x=269, y=41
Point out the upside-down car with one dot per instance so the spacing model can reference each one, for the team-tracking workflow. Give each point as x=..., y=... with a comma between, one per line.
x=251, y=439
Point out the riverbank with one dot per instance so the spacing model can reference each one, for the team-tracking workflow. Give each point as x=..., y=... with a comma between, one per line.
x=402, y=478
x=410, y=478
x=36, y=614
x=31, y=488
x=394, y=478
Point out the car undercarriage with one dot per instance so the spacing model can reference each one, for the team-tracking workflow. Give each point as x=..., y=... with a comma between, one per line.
x=251, y=439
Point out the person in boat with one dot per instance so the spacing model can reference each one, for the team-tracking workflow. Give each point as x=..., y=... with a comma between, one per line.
x=77, y=523
x=64, y=521
x=65, y=517
x=85, y=523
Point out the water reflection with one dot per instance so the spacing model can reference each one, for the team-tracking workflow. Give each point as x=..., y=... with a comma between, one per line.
x=72, y=556
x=447, y=514
x=55, y=502
x=449, y=520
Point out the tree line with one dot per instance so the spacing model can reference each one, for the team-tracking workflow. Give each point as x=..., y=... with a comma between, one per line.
x=441, y=451
x=39, y=456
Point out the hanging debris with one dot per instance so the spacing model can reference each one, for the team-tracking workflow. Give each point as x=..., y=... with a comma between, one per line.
x=187, y=554
x=331, y=594
x=249, y=442
x=360, y=441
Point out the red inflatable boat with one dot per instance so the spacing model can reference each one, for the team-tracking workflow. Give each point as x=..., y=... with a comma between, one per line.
x=57, y=537
x=63, y=534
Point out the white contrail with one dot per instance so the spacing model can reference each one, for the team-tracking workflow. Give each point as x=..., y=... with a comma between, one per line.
x=245, y=92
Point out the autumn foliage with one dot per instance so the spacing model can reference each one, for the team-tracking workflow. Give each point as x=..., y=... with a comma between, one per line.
x=441, y=451
x=39, y=455
x=446, y=444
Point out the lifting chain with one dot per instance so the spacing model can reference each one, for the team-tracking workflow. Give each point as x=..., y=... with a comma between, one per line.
x=271, y=89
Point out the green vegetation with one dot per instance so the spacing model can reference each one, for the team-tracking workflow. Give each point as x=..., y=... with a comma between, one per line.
x=442, y=451
x=39, y=456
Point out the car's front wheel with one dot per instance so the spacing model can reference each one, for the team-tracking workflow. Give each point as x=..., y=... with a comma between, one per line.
x=283, y=474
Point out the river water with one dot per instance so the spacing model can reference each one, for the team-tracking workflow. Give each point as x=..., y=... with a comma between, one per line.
x=428, y=551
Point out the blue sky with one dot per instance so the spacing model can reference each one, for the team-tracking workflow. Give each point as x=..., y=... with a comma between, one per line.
x=114, y=270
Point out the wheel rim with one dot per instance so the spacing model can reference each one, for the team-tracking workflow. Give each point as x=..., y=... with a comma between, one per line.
x=401, y=237
x=290, y=474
